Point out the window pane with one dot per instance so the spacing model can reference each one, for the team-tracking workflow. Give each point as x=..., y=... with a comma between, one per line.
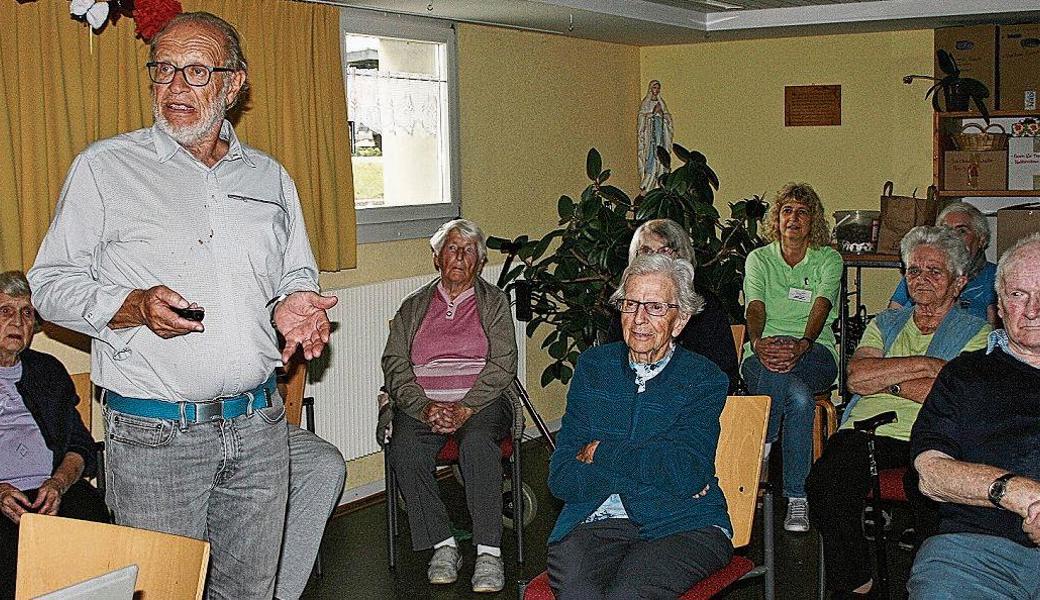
x=397, y=94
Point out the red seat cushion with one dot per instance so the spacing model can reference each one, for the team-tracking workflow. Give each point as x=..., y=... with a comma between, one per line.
x=449, y=452
x=538, y=588
x=892, y=484
x=719, y=580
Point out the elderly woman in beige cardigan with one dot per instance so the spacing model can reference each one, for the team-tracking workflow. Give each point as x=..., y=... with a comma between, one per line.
x=449, y=365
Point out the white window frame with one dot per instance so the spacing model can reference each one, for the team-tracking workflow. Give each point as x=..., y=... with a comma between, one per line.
x=389, y=223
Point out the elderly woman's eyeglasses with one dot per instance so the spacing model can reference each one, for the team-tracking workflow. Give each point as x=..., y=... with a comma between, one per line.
x=666, y=250
x=195, y=75
x=930, y=273
x=654, y=309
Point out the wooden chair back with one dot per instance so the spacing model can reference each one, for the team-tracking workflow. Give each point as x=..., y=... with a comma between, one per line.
x=55, y=552
x=85, y=391
x=292, y=379
x=738, y=459
x=738, y=331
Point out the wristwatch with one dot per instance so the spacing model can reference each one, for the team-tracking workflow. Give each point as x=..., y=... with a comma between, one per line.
x=273, y=304
x=894, y=389
x=998, y=488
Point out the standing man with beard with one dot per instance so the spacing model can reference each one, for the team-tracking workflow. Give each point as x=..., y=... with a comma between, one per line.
x=181, y=251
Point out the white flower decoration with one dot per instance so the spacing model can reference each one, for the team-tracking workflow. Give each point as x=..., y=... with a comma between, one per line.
x=96, y=13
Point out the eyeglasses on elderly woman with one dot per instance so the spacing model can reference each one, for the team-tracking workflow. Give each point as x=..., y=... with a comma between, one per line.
x=665, y=250
x=654, y=309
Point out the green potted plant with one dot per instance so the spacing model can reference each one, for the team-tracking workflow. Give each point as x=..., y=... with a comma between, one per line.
x=571, y=272
x=957, y=93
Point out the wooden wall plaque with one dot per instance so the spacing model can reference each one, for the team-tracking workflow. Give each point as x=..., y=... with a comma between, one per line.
x=806, y=105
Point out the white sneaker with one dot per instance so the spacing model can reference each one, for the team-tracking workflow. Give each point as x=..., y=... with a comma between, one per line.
x=488, y=574
x=444, y=566
x=797, y=518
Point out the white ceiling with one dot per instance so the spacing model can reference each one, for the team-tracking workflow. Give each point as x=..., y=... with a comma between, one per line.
x=655, y=22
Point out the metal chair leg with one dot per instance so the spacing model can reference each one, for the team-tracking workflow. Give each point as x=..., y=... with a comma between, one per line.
x=768, y=546
x=391, y=509
x=822, y=574
x=518, y=502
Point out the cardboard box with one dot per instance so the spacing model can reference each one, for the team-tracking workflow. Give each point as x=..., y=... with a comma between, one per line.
x=1019, y=66
x=966, y=170
x=975, y=50
x=1015, y=223
x=1024, y=163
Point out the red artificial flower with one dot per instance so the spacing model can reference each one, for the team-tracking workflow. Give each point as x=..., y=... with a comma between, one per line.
x=151, y=16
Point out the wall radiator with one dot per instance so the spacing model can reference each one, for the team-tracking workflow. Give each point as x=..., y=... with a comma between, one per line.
x=345, y=381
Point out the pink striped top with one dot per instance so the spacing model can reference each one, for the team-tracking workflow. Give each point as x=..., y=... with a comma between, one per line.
x=450, y=348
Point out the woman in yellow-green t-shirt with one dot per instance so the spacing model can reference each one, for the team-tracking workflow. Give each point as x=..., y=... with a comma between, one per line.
x=893, y=369
x=791, y=290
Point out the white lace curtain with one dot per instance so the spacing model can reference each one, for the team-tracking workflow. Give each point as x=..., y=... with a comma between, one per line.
x=395, y=103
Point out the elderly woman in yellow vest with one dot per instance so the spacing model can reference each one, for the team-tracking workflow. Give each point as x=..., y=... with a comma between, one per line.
x=449, y=365
x=791, y=290
x=893, y=369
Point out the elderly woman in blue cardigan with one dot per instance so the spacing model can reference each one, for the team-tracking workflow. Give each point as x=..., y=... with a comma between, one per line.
x=635, y=460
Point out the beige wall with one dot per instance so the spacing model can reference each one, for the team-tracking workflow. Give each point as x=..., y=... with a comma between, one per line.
x=727, y=100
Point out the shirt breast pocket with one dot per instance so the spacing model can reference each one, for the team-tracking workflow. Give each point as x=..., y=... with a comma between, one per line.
x=262, y=224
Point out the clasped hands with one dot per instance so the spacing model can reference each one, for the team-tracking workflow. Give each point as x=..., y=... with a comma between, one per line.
x=446, y=417
x=14, y=503
x=780, y=354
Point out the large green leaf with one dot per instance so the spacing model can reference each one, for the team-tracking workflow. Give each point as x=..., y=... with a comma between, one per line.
x=593, y=164
x=565, y=207
x=947, y=63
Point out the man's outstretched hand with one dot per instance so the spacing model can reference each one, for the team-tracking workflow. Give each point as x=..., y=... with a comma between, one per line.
x=303, y=322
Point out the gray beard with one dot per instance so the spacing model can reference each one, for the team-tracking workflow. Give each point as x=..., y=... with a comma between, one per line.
x=192, y=134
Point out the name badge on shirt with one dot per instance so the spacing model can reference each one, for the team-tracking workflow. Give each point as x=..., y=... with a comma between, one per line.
x=799, y=295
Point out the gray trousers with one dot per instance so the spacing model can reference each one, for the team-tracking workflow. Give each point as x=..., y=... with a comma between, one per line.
x=221, y=481
x=316, y=474
x=608, y=560
x=413, y=451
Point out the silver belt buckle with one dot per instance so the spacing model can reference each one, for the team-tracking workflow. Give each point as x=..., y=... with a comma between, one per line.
x=208, y=411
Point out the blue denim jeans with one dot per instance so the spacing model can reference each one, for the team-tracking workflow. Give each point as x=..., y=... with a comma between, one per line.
x=971, y=566
x=225, y=481
x=793, y=407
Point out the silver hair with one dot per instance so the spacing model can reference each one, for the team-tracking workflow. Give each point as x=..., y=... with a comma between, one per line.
x=236, y=58
x=978, y=220
x=671, y=232
x=14, y=284
x=1011, y=258
x=467, y=229
x=940, y=238
x=680, y=271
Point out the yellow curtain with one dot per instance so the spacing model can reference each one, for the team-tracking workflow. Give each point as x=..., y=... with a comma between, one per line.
x=63, y=87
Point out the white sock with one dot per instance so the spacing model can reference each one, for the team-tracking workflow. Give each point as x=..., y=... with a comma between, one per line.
x=448, y=542
x=491, y=550
x=765, y=452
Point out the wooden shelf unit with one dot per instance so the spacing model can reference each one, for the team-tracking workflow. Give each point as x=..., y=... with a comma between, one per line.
x=989, y=193
x=946, y=123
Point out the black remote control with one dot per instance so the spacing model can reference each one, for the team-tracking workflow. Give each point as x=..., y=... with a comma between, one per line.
x=192, y=314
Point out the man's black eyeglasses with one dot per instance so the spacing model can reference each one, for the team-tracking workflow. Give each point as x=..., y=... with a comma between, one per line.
x=195, y=75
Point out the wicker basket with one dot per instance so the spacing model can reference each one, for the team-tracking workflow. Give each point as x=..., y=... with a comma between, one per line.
x=982, y=141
